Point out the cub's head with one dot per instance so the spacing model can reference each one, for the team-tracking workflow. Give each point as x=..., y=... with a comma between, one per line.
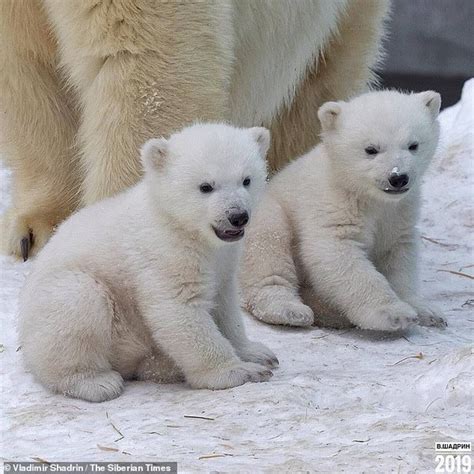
x=208, y=177
x=381, y=143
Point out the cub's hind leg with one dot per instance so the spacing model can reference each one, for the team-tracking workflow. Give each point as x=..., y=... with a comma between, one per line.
x=66, y=335
x=268, y=276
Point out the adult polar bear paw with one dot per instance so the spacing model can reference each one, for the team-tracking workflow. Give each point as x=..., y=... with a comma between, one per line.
x=231, y=375
x=23, y=237
x=391, y=317
x=258, y=353
x=428, y=315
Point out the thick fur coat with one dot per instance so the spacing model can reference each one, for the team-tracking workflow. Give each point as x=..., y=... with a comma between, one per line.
x=143, y=285
x=84, y=83
x=334, y=240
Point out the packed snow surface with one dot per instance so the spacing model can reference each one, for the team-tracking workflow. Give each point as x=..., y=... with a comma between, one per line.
x=341, y=401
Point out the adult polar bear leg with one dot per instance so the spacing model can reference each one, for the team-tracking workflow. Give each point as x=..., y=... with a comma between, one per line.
x=341, y=69
x=66, y=335
x=38, y=128
x=268, y=272
x=143, y=69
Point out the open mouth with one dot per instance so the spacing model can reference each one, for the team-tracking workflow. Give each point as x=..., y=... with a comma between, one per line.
x=229, y=235
x=396, y=191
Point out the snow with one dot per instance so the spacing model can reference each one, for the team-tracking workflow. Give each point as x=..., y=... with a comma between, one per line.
x=341, y=400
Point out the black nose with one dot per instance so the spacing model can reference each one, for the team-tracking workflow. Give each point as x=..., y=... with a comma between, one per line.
x=398, y=181
x=238, y=219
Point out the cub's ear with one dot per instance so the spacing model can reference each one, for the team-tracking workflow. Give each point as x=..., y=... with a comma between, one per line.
x=432, y=100
x=328, y=114
x=262, y=136
x=155, y=154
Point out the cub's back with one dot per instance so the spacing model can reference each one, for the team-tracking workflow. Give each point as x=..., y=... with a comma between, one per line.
x=96, y=237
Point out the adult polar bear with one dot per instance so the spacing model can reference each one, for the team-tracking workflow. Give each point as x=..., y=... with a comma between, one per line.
x=85, y=84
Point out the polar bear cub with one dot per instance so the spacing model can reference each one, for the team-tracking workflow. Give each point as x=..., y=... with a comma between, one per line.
x=334, y=238
x=143, y=285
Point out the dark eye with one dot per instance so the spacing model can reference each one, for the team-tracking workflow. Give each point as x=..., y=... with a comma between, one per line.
x=371, y=150
x=413, y=146
x=246, y=182
x=206, y=188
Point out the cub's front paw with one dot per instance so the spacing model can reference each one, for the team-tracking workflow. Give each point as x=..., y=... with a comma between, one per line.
x=392, y=317
x=229, y=375
x=258, y=353
x=428, y=315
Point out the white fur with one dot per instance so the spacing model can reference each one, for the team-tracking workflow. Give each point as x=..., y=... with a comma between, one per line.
x=86, y=82
x=328, y=243
x=276, y=43
x=140, y=286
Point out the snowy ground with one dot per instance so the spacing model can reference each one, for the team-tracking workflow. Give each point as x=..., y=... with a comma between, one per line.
x=341, y=401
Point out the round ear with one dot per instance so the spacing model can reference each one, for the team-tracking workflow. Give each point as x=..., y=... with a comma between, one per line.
x=328, y=114
x=432, y=100
x=154, y=154
x=262, y=136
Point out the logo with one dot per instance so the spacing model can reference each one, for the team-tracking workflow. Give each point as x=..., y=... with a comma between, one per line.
x=453, y=456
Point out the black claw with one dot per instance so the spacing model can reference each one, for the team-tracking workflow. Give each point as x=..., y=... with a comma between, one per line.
x=25, y=247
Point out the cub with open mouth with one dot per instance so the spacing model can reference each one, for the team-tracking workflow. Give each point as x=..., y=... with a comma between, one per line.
x=237, y=218
x=143, y=285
